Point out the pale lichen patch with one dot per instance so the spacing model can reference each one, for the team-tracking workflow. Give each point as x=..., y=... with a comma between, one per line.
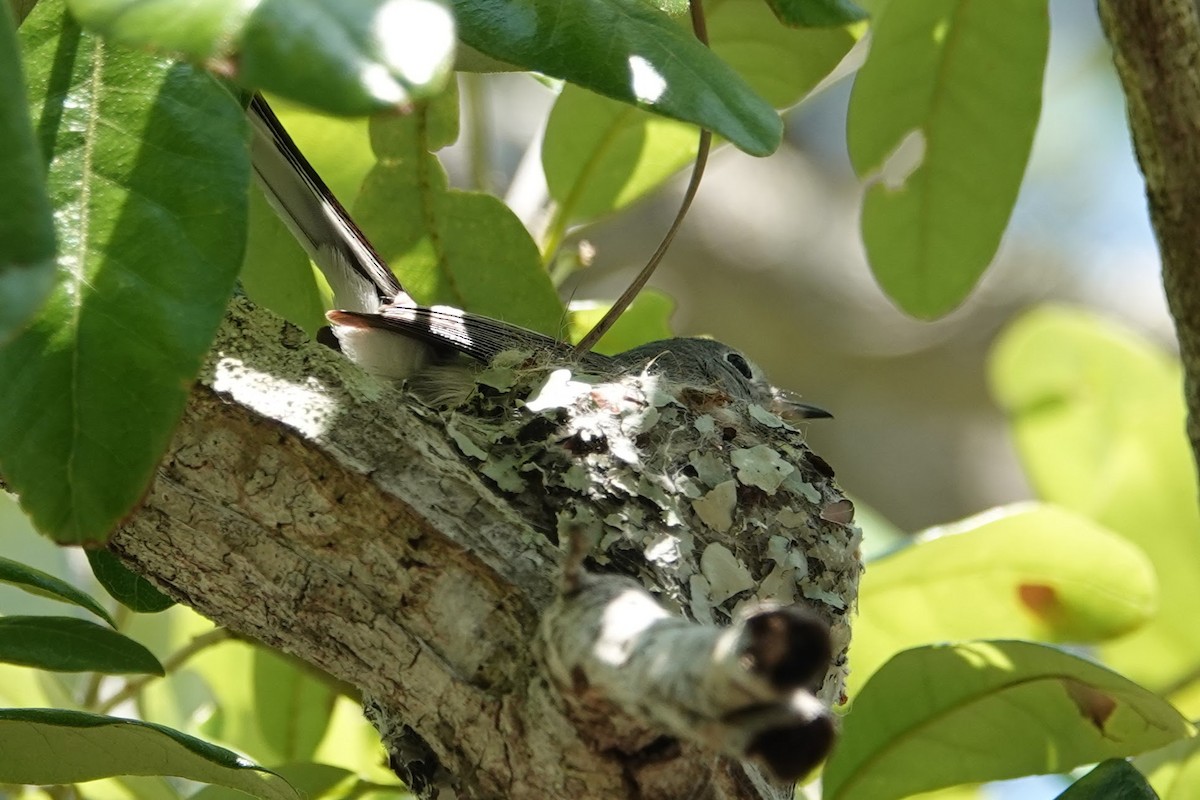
x=715, y=509
x=764, y=417
x=762, y=467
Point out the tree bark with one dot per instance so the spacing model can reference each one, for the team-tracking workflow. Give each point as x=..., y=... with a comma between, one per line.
x=308, y=505
x=1156, y=49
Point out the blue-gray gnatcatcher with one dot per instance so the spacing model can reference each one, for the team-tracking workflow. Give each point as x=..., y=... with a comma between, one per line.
x=379, y=326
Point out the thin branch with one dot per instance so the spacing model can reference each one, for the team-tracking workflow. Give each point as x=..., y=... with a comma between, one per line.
x=1156, y=48
x=170, y=664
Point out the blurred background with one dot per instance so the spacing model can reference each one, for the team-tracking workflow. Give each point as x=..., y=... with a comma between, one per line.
x=770, y=261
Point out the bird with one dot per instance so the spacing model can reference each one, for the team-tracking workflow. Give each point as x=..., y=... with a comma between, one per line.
x=379, y=326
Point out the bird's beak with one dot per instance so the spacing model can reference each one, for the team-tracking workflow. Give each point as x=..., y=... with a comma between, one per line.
x=790, y=408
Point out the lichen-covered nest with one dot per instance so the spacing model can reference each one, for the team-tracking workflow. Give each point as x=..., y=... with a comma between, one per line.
x=712, y=502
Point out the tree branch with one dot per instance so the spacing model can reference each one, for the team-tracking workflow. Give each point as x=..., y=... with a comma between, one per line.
x=1156, y=48
x=412, y=553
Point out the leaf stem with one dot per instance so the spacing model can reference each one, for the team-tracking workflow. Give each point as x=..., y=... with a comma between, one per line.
x=170, y=664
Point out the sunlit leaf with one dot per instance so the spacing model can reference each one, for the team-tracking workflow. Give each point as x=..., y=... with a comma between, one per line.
x=26, y=224
x=627, y=50
x=353, y=743
x=66, y=644
x=343, y=56
x=950, y=131
x=600, y=155
x=1031, y=572
x=52, y=746
x=948, y=714
x=1174, y=770
x=148, y=175
x=782, y=64
x=292, y=705
x=1098, y=418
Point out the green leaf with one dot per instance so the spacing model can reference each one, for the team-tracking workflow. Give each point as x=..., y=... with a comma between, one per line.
x=50, y=746
x=949, y=98
x=26, y=221
x=1114, y=779
x=46, y=585
x=292, y=705
x=600, y=155
x=816, y=13
x=66, y=644
x=343, y=56
x=464, y=249
x=311, y=781
x=628, y=51
x=276, y=273
x=126, y=586
x=978, y=711
x=148, y=175
x=646, y=320
x=229, y=674
x=1174, y=770
x=1098, y=419
x=1030, y=572
x=781, y=64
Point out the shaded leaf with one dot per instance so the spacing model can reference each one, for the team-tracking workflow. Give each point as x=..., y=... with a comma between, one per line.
x=951, y=132
x=1028, y=571
x=26, y=224
x=1098, y=418
x=126, y=586
x=148, y=177
x=817, y=13
x=311, y=781
x=66, y=644
x=343, y=56
x=465, y=249
x=626, y=50
x=276, y=273
x=943, y=715
x=51, y=746
x=1114, y=779
x=46, y=585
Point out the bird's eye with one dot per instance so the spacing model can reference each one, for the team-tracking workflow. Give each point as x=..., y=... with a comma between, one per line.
x=740, y=364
